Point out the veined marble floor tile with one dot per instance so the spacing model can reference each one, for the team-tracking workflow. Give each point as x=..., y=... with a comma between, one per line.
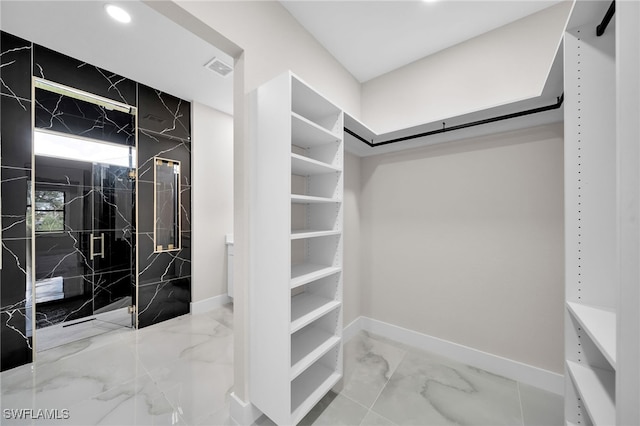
x=335, y=410
x=219, y=418
x=196, y=389
x=199, y=383
x=428, y=390
x=115, y=337
x=168, y=343
x=541, y=408
x=181, y=372
x=61, y=381
x=369, y=363
x=138, y=402
x=374, y=419
x=57, y=335
x=224, y=315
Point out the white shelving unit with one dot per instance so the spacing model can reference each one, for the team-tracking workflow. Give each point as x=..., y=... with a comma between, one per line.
x=601, y=216
x=591, y=221
x=295, y=290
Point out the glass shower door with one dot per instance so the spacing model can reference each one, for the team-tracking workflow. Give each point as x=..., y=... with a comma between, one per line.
x=112, y=241
x=84, y=220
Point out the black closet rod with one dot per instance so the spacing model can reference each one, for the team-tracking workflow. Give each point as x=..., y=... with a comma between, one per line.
x=444, y=129
x=607, y=18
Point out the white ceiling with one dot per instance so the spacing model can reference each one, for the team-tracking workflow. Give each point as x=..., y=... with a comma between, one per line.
x=371, y=38
x=151, y=49
x=368, y=37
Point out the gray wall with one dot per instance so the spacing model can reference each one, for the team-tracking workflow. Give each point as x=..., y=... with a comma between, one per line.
x=464, y=241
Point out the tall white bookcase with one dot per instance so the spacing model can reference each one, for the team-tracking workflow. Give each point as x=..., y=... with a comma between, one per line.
x=295, y=290
x=601, y=209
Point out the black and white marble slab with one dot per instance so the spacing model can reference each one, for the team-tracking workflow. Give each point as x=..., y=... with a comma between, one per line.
x=15, y=67
x=14, y=190
x=15, y=132
x=15, y=341
x=152, y=145
x=162, y=266
x=185, y=208
x=68, y=309
x=163, y=114
x=161, y=301
x=59, y=68
x=96, y=200
x=112, y=287
x=145, y=207
x=62, y=254
x=63, y=114
x=15, y=269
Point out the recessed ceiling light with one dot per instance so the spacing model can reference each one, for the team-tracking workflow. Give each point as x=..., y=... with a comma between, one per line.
x=118, y=13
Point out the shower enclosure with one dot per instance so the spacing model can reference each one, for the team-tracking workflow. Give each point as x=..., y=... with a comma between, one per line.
x=81, y=210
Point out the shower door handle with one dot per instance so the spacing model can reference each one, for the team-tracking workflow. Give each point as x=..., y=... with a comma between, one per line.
x=92, y=246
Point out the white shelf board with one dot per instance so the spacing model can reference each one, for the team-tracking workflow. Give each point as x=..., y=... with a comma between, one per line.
x=305, y=166
x=309, y=199
x=600, y=325
x=596, y=388
x=307, y=307
x=309, y=103
x=309, y=388
x=307, y=346
x=309, y=233
x=305, y=133
x=305, y=273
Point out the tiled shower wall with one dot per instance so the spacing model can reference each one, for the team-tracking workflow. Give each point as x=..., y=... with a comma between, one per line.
x=15, y=150
x=164, y=279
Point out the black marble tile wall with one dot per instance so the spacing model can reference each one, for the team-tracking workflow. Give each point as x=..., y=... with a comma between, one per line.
x=16, y=65
x=101, y=201
x=155, y=145
x=164, y=278
x=54, y=66
x=15, y=131
x=72, y=116
x=16, y=343
x=163, y=300
x=163, y=114
x=15, y=172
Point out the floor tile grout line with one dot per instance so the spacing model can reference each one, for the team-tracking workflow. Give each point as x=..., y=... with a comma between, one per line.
x=386, y=383
x=379, y=415
x=520, y=401
x=369, y=410
x=353, y=400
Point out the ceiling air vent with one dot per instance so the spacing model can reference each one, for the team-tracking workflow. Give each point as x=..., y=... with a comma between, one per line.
x=219, y=67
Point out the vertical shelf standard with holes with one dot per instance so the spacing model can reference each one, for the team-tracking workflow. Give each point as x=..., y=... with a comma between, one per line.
x=591, y=221
x=295, y=289
x=602, y=206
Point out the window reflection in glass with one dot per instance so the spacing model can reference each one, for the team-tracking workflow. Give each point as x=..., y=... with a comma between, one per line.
x=48, y=210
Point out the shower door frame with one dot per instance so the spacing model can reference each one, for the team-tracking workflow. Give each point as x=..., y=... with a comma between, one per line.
x=99, y=100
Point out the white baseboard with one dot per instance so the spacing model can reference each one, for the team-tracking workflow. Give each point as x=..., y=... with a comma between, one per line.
x=209, y=304
x=242, y=413
x=353, y=328
x=523, y=373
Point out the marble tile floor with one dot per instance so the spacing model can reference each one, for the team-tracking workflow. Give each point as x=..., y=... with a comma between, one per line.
x=386, y=383
x=180, y=372
x=62, y=334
